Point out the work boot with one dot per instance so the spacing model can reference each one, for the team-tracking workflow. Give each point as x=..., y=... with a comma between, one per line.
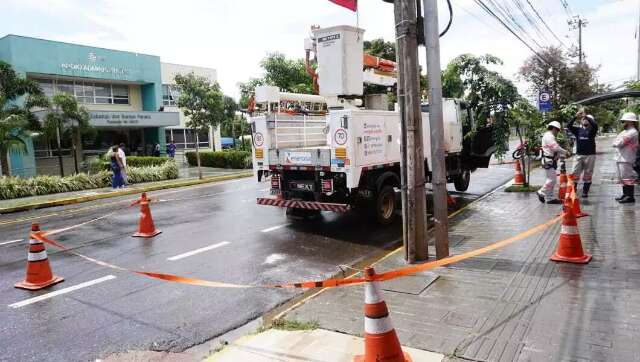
x=621, y=196
x=540, y=196
x=554, y=202
x=628, y=195
x=585, y=189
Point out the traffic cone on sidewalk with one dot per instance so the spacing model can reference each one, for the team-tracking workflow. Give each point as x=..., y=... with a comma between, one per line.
x=518, y=179
x=380, y=340
x=450, y=200
x=146, y=228
x=575, y=200
x=569, y=248
x=39, y=273
x=562, y=189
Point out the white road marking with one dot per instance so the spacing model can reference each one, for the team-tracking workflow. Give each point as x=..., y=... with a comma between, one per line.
x=61, y=291
x=274, y=228
x=10, y=242
x=274, y=258
x=197, y=251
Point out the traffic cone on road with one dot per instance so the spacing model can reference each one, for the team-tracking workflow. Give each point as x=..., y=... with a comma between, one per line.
x=569, y=248
x=450, y=200
x=146, y=228
x=39, y=273
x=380, y=340
x=518, y=179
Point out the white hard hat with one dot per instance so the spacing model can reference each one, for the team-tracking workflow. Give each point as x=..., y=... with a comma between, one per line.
x=629, y=116
x=590, y=116
x=555, y=124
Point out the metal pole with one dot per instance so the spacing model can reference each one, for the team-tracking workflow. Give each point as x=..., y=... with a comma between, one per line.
x=415, y=226
x=438, y=167
x=579, y=41
x=638, y=38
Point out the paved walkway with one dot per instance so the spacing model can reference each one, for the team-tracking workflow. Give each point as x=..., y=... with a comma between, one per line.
x=514, y=304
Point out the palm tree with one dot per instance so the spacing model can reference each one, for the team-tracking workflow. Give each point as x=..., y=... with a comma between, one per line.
x=65, y=113
x=16, y=120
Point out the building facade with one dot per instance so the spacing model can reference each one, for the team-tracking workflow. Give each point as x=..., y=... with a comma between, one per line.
x=123, y=92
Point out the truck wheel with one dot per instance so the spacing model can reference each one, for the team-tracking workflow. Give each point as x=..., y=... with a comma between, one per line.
x=461, y=182
x=386, y=205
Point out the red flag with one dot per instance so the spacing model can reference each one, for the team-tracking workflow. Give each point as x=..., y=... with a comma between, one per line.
x=349, y=4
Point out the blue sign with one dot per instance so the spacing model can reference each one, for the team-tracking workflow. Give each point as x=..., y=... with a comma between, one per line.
x=544, y=101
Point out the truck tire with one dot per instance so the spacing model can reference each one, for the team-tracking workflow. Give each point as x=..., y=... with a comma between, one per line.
x=461, y=182
x=385, y=207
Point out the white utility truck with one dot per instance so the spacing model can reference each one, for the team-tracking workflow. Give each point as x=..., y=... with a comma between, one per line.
x=350, y=157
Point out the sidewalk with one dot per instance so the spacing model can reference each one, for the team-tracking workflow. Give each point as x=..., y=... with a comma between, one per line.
x=187, y=176
x=514, y=304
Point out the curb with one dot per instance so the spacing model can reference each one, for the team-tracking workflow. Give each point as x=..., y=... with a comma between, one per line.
x=125, y=192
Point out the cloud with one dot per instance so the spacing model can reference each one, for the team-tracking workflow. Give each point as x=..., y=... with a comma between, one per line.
x=233, y=36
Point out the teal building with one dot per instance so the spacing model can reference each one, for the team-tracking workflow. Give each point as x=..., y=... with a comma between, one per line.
x=122, y=91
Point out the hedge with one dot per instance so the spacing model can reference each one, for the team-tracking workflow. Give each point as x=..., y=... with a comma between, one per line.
x=221, y=159
x=101, y=163
x=15, y=187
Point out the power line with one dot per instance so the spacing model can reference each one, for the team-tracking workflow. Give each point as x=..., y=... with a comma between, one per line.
x=490, y=12
x=546, y=25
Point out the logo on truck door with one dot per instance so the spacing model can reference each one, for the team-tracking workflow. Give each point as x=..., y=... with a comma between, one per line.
x=258, y=139
x=340, y=137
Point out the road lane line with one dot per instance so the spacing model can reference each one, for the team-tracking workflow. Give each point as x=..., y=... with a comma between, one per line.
x=10, y=242
x=274, y=228
x=197, y=251
x=61, y=291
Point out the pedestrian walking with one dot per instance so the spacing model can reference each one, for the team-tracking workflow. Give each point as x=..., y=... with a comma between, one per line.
x=156, y=150
x=123, y=158
x=116, y=167
x=551, y=151
x=585, y=134
x=626, y=145
x=171, y=149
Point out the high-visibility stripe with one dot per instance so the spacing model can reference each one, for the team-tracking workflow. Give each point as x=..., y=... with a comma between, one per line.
x=372, y=293
x=569, y=230
x=34, y=242
x=377, y=325
x=42, y=255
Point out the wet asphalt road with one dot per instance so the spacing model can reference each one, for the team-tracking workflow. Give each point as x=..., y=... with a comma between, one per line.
x=133, y=312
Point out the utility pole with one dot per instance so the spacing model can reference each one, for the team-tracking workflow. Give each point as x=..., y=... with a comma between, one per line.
x=578, y=23
x=638, y=39
x=438, y=167
x=414, y=203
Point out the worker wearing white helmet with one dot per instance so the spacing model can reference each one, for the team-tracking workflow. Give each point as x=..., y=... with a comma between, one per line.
x=626, y=145
x=585, y=134
x=551, y=151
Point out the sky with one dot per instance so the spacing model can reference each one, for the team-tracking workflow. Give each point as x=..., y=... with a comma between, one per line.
x=232, y=36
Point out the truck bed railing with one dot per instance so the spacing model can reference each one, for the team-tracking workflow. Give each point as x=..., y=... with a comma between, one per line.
x=291, y=131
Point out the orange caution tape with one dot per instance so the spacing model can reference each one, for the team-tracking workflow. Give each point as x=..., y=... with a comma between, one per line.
x=328, y=283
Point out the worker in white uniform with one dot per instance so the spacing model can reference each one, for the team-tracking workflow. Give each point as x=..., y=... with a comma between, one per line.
x=626, y=145
x=551, y=152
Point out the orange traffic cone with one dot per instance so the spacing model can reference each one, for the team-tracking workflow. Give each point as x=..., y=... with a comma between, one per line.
x=146, y=228
x=562, y=190
x=450, y=200
x=39, y=273
x=518, y=179
x=575, y=200
x=570, y=245
x=380, y=340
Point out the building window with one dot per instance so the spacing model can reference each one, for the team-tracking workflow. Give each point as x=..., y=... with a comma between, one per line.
x=185, y=138
x=170, y=95
x=86, y=92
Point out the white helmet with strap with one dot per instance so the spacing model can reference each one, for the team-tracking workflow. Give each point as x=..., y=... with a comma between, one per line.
x=629, y=116
x=555, y=124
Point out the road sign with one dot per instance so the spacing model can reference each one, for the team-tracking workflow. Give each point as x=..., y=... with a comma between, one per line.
x=544, y=101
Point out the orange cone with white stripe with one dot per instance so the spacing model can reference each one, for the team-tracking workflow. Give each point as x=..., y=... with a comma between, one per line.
x=575, y=200
x=569, y=248
x=562, y=189
x=39, y=273
x=146, y=227
x=518, y=179
x=380, y=340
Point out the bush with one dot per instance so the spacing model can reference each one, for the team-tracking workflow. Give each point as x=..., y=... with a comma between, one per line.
x=221, y=159
x=102, y=163
x=15, y=187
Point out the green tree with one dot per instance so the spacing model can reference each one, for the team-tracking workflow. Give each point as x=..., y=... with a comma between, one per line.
x=203, y=103
x=16, y=119
x=468, y=77
x=65, y=114
x=230, y=108
x=287, y=74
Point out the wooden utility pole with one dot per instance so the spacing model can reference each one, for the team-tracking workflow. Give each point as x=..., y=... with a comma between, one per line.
x=438, y=166
x=414, y=204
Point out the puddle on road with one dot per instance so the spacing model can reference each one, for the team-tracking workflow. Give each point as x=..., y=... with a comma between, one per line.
x=274, y=258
